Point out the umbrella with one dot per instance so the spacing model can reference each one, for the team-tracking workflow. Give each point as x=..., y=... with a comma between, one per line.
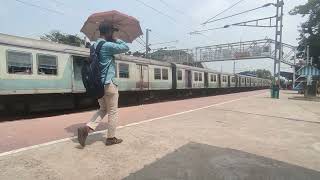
x=128, y=27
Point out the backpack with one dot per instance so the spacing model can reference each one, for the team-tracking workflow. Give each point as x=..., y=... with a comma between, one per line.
x=91, y=73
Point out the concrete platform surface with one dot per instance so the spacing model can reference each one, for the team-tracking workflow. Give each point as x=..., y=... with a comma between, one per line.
x=28, y=132
x=250, y=138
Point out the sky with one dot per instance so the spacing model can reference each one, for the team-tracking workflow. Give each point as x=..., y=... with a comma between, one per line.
x=176, y=20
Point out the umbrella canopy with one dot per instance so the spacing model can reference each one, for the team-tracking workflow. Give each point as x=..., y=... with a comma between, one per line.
x=128, y=27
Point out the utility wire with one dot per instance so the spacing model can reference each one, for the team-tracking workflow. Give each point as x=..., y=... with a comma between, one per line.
x=58, y=2
x=40, y=7
x=159, y=12
x=200, y=31
x=143, y=45
x=237, y=24
x=223, y=11
x=266, y=5
x=170, y=17
x=175, y=9
x=142, y=40
x=157, y=35
x=165, y=42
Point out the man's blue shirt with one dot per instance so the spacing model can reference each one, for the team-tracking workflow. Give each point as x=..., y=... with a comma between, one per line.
x=107, y=62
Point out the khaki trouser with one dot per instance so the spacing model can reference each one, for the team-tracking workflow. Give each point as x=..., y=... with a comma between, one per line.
x=108, y=105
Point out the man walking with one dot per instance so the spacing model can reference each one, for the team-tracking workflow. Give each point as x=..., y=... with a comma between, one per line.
x=109, y=102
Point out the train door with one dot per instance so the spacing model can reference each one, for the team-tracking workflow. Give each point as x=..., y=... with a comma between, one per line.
x=77, y=85
x=219, y=80
x=206, y=82
x=142, y=77
x=229, y=81
x=188, y=79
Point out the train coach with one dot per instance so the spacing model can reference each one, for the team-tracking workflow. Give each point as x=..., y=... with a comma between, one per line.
x=38, y=75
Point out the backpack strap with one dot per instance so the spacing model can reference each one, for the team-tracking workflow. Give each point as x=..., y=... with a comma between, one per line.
x=99, y=46
x=98, y=49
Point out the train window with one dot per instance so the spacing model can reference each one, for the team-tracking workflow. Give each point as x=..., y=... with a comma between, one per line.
x=196, y=76
x=233, y=79
x=164, y=74
x=211, y=78
x=157, y=73
x=19, y=62
x=224, y=78
x=123, y=70
x=215, y=78
x=200, y=76
x=179, y=75
x=47, y=65
x=242, y=80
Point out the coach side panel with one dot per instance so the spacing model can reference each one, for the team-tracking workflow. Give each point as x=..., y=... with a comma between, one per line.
x=31, y=71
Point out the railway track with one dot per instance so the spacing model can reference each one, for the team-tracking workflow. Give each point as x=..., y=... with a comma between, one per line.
x=124, y=101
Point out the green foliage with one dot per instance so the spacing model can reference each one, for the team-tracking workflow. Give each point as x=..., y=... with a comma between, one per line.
x=260, y=73
x=309, y=30
x=172, y=56
x=138, y=54
x=263, y=73
x=59, y=37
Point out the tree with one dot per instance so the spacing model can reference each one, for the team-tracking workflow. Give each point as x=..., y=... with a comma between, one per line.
x=263, y=73
x=63, y=38
x=138, y=54
x=177, y=56
x=309, y=35
x=260, y=73
x=309, y=30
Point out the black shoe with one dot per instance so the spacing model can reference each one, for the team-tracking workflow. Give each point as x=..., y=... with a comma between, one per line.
x=82, y=135
x=112, y=141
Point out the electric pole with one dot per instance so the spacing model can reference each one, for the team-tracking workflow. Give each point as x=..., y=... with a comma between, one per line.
x=278, y=43
x=278, y=52
x=308, y=55
x=147, y=42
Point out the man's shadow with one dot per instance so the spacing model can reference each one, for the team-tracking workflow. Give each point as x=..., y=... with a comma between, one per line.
x=92, y=138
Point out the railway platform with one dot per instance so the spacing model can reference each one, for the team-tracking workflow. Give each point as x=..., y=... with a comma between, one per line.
x=236, y=136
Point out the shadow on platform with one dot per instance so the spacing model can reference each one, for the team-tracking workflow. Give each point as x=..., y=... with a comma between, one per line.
x=290, y=92
x=92, y=138
x=302, y=98
x=205, y=162
x=270, y=116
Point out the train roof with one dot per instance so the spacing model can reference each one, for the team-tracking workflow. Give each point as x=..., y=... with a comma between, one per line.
x=246, y=76
x=62, y=48
x=140, y=60
x=196, y=68
x=41, y=44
